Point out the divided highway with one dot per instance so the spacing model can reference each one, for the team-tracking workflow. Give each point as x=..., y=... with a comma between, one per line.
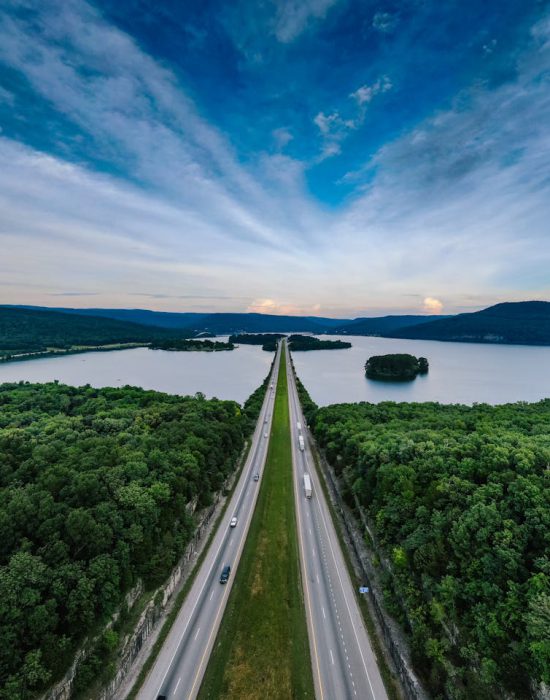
x=179, y=668
x=344, y=665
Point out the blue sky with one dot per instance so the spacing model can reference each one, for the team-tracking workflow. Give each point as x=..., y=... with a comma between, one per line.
x=331, y=157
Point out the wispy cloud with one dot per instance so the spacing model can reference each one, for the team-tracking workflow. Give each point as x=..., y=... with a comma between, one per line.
x=385, y=22
x=335, y=128
x=137, y=116
x=366, y=93
x=294, y=16
x=73, y=294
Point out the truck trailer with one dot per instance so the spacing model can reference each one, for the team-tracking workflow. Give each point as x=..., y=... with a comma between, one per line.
x=307, y=486
x=301, y=442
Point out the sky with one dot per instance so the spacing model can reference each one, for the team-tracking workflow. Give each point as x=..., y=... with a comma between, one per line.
x=338, y=158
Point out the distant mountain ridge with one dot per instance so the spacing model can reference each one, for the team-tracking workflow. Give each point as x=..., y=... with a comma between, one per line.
x=145, y=317
x=515, y=323
x=526, y=323
x=382, y=324
x=229, y=323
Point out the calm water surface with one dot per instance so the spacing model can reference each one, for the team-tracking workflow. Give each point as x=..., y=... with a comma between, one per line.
x=228, y=375
x=459, y=372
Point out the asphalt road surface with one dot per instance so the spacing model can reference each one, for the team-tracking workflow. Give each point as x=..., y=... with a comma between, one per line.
x=180, y=665
x=344, y=665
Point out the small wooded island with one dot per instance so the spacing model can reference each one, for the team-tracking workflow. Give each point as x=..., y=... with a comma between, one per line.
x=310, y=342
x=399, y=367
x=268, y=341
x=187, y=345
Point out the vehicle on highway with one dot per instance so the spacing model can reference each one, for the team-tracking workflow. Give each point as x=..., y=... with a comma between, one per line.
x=233, y=521
x=307, y=486
x=256, y=477
x=301, y=442
x=224, y=578
x=299, y=425
x=265, y=435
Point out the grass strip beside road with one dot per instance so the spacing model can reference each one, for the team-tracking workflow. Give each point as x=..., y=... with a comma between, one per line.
x=262, y=648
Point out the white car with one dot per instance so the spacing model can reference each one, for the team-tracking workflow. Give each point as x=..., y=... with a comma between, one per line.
x=233, y=521
x=265, y=435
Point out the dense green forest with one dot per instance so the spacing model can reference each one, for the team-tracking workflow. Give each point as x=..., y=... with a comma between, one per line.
x=268, y=341
x=309, y=342
x=31, y=331
x=94, y=489
x=460, y=499
x=183, y=345
x=398, y=367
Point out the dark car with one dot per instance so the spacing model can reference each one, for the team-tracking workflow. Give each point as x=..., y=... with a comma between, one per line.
x=256, y=477
x=225, y=574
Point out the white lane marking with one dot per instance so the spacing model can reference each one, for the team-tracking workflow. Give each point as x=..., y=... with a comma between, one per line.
x=324, y=613
x=331, y=657
x=345, y=598
x=179, y=679
x=211, y=594
x=196, y=634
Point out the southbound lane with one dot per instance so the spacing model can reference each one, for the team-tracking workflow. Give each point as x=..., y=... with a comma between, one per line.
x=181, y=663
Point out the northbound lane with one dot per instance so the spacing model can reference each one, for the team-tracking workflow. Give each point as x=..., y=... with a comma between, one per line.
x=344, y=665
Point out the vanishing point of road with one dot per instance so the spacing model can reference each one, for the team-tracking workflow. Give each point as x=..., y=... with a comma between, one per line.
x=344, y=664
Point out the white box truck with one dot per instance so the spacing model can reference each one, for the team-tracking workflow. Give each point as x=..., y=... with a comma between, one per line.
x=299, y=426
x=307, y=486
x=301, y=442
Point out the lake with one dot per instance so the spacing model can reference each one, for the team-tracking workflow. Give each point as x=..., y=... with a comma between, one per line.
x=228, y=374
x=459, y=372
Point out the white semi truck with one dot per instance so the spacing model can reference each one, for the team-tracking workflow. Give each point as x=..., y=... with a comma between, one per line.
x=299, y=426
x=307, y=486
x=301, y=442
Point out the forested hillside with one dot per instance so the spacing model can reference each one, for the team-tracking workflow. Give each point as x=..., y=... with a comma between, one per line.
x=460, y=498
x=521, y=323
x=94, y=485
x=27, y=330
x=381, y=325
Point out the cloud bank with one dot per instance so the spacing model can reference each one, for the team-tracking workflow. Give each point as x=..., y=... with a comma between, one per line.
x=144, y=193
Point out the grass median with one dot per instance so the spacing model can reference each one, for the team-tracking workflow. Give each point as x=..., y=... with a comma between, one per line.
x=262, y=648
